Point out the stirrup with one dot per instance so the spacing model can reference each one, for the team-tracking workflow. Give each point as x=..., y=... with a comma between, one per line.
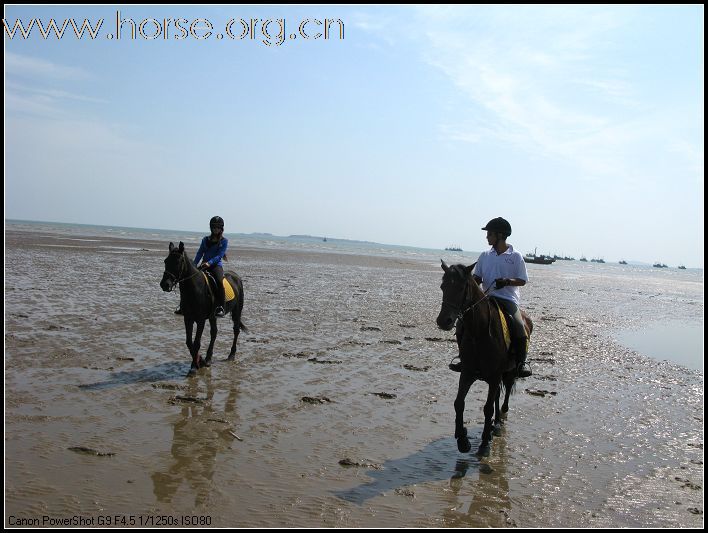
x=455, y=367
x=523, y=370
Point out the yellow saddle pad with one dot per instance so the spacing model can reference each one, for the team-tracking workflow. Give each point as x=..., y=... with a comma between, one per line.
x=505, y=326
x=228, y=291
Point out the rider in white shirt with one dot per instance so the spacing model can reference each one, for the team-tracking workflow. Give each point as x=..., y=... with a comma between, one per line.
x=504, y=268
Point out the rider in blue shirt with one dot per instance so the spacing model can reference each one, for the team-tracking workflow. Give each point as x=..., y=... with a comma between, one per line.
x=211, y=251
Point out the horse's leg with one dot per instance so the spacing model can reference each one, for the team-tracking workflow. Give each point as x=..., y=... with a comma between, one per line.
x=212, y=332
x=188, y=325
x=497, y=427
x=196, y=345
x=509, y=380
x=463, y=443
x=485, y=447
x=236, y=318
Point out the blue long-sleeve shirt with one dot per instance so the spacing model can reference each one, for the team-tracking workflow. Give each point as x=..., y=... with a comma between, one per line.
x=212, y=253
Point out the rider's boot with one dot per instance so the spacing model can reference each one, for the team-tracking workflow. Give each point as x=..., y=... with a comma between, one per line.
x=521, y=346
x=455, y=367
x=219, y=312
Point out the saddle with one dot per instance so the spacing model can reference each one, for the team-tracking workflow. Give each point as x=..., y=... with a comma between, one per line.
x=229, y=293
x=505, y=321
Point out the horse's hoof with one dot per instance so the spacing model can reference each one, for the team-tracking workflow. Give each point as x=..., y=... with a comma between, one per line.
x=207, y=361
x=231, y=357
x=192, y=372
x=463, y=444
x=497, y=430
x=484, y=450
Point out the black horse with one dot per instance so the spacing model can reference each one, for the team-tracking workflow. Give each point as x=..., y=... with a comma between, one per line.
x=197, y=301
x=483, y=350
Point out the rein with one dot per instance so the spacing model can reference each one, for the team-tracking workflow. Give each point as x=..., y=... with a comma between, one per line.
x=179, y=279
x=462, y=312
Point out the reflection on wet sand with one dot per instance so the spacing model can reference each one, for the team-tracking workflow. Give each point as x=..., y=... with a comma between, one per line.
x=487, y=494
x=200, y=432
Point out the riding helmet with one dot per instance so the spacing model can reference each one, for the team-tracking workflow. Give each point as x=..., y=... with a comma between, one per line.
x=216, y=221
x=498, y=225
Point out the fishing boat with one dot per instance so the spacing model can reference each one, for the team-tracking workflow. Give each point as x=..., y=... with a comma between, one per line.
x=681, y=267
x=623, y=262
x=660, y=265
x=453, y=249
x=538, y=259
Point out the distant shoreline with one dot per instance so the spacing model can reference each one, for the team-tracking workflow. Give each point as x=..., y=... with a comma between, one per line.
x=232, y=234
x=305, y=237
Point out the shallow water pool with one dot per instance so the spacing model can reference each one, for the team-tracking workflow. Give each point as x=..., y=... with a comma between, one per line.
x=674, y=341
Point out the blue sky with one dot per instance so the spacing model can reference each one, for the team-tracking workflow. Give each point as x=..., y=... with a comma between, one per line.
x=583, y=126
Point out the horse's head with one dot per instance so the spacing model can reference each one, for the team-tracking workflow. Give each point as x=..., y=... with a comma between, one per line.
x=456, y=290
x=174, y=267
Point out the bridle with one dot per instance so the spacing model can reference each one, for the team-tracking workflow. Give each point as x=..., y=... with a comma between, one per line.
x=460, y=309
x=178, y=278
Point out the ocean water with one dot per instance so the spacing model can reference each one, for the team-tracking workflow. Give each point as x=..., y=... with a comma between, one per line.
x=567, y=269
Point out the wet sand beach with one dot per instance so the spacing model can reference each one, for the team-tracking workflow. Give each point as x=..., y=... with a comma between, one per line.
x=101, y=420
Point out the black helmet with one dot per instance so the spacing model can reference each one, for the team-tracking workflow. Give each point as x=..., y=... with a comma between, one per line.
x=216, y=221
x=498, y=225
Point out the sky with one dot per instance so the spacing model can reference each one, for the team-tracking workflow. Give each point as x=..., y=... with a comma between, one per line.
x=582, y=126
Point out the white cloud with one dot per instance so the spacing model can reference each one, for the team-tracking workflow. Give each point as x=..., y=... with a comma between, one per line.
x=550, y=82
x=26, y=66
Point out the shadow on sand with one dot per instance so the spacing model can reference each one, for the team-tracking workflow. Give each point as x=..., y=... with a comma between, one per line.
x=480, y=500
x=438, y=461
x=161, y=372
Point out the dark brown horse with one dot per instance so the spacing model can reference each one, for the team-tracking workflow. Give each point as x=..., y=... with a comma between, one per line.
x=197, y=301
x=483, y=351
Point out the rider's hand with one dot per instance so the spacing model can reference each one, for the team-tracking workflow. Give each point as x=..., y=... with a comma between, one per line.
x=501, y=282
x=204, y=266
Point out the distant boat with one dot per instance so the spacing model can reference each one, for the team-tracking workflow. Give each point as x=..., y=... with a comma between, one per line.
x=324, y=240
x=538, y=259
x=597, y=260
x=565, y=258
x=681, y=267
x=623, y=262
x=660, y=265
x=453, y=249
x=583, y=259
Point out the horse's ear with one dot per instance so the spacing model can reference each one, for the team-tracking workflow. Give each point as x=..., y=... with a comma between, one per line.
x=181, y=247
x=172, y=247
x=444, y=266
x=469, y=269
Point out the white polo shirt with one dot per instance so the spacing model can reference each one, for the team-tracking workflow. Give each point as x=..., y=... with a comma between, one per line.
x=510, y=264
